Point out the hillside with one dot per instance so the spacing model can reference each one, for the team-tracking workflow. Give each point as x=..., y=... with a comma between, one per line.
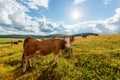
x=42, y=36
x=20, y=36
x=93, y=58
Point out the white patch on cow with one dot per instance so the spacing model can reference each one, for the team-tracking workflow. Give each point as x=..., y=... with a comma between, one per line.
x=39, y=39
x=37, y=51
x=67, y=42
x=24, y=65
x=56, y=59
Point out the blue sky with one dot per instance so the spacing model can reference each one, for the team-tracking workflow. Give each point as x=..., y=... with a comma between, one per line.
x=60, y=10
x=44, y=17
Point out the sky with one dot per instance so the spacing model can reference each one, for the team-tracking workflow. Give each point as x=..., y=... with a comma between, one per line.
x=45, y=17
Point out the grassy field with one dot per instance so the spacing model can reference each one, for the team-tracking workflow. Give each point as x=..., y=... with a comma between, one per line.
x=93, y=58
x=8, y=40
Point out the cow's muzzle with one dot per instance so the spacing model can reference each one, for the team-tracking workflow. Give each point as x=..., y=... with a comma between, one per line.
x=68, y=49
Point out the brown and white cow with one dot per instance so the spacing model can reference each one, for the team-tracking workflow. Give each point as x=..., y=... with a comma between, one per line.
x=33, y=46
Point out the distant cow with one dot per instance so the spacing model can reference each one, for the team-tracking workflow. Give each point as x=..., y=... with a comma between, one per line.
x=84, y=36
x=33, y=46
x=95, y=34
x=20, y=41
x=14, y=42
x=69, y=36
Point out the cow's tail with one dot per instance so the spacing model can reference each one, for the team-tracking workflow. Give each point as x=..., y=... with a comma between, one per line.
x=23, y=59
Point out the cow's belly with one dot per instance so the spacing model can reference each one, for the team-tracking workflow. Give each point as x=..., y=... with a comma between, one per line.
x=43, y=52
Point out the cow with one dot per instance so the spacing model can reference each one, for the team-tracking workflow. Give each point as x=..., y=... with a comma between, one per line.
x=95, y=34
x=20, y=41
x=14, y=42
x=84, y=36
x=33, y=47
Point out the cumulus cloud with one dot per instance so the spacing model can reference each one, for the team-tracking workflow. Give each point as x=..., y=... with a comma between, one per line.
x=34, y=4
x=114, y=22
x=48, y=27
x=106, y=1
x=13, y=17
x=78, y=1
x=8, y=8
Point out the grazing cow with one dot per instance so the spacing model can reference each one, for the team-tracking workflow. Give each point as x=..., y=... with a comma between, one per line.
x=95, y=34
x=84, y=36
x=14, y=42
x=33, y=46
x=20, y=41
x=69, y=36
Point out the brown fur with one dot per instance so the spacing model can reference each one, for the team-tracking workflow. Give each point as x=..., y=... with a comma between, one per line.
x=33, y=47
x=46, y=46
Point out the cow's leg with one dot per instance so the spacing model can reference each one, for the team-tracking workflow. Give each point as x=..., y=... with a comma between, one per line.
x=56, y=53
x=29, y=62
x=24, y=65
x=24, y=62
x=56, y=59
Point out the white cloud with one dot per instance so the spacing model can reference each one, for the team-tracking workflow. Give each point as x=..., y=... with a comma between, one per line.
x=106, y=1
x=9, y=8
x=13, y=17
x=78, y=1
x=48, y=27
x=35, y=4
x=114, y=21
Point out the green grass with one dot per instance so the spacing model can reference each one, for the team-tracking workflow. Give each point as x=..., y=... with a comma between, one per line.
x=8, y=40
x=93, y=58
x=4, y=40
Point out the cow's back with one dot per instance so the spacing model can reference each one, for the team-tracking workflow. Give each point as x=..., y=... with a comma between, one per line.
x=43, y=47
x=49, y=45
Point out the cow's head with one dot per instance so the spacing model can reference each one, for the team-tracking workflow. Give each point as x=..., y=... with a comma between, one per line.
x=69, y=36
x=66, y=43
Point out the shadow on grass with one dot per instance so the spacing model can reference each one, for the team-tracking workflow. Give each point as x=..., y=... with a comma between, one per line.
x=12, y=63
x=49, y=73
x=18, y=72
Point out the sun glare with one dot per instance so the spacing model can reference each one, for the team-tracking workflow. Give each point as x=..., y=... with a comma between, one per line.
x=76, y=14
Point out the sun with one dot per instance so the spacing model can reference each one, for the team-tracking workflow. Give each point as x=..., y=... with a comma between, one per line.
x=76, y=14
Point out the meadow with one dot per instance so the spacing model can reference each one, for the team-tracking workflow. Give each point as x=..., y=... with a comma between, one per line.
x=93, y=58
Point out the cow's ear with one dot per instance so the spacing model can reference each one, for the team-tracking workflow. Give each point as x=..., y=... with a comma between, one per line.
x=62, y=38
